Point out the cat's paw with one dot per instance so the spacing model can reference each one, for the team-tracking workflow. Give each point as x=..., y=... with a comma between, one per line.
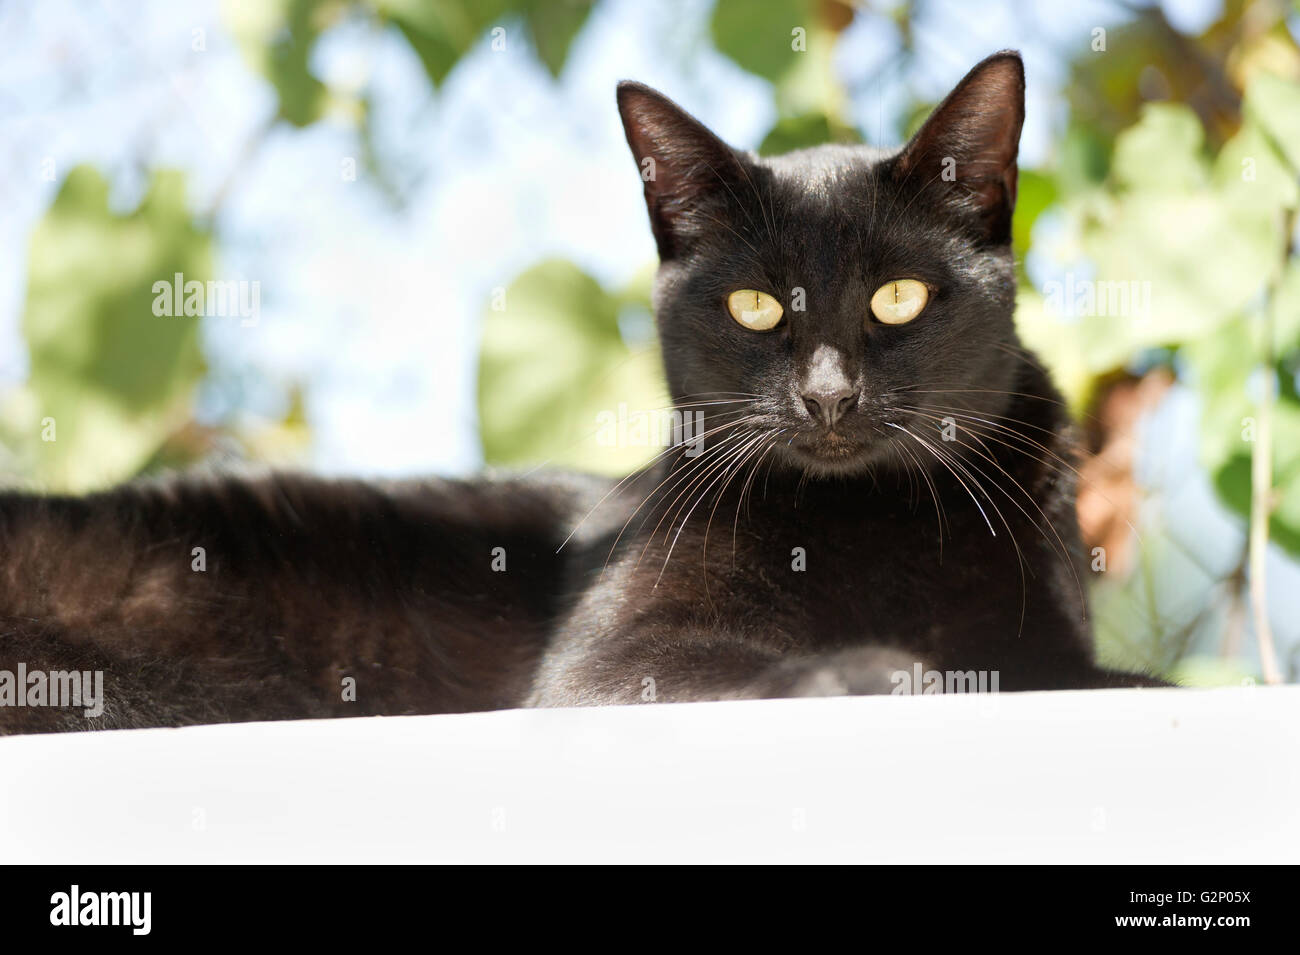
x=862, y=671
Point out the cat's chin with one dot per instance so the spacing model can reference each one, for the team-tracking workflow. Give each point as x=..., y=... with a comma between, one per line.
x=832, y=455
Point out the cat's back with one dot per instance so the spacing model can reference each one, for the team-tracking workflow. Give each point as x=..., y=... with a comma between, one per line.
x=222, y=597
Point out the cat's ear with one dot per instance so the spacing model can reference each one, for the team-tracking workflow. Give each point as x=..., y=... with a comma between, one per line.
x=967, y=148
x=686, y=169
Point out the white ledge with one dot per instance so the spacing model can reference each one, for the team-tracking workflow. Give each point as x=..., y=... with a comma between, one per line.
x=1094, y=776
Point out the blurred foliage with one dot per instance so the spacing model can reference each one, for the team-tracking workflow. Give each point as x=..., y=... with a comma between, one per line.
x=111, y=387
x=278, y=38
x=112, y=379
x=790, y=43
x=553, y=357
x=1164, y=204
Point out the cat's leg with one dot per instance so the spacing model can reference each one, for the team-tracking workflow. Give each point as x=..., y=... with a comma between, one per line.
x=857, y=671
x=1100, y=678
x=698, y=665
x=1047, y=669
x=695, y=663
x=109, y=694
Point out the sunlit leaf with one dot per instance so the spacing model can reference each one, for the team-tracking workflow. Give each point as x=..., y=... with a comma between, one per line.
x=1035, y=192
x=1286, y=310
x=552, y=362
x=760, y=36
x=442, y=31
x=802, y=131
x=1162, y=152
x=1226, y=376
x=277, y=38
x=1147, y=238
x=115, y=377
x=1250, y=169
x=553, y=27
x=1274, y=104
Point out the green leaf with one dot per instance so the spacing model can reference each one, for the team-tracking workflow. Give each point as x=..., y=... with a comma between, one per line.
x=552, y=362
x=1162, y=152
x=1221, y=365
x=1274, y=104
x=759, y=36
x=1085, y=160
x=1232, y=478
x=277, y=38
x=1035, y=192
x=553, y=26
x=1148, y=245
x=442, y=31
x=1057, y=342
x=1284, y=523
x=1250, y=169
x=1224, y=367
x=1286, y=309
x=802, y=131
x=1146, y=236
x=116, y=378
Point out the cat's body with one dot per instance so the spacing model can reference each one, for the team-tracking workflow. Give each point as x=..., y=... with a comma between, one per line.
x=886, y=488
x=778, y=586
x=218, y=599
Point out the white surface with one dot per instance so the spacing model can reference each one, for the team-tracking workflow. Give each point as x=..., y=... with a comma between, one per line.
x=1099, y=776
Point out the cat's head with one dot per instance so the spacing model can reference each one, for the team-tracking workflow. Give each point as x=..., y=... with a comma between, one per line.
x=834, y=293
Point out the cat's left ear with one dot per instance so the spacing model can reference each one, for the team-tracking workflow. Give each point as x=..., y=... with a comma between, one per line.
x=967, y=148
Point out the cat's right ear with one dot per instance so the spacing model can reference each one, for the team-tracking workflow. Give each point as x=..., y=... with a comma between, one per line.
x=967, y=149
x=686, y=169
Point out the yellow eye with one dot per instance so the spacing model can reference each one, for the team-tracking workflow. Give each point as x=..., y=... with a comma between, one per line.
x=900, y=301
x=755, y=310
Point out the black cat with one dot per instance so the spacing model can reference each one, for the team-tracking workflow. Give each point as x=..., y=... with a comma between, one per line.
x=890, y=489
x=885, y=491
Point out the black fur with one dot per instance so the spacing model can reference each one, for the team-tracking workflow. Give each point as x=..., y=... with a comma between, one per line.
x=960, y=555
x=683, y=582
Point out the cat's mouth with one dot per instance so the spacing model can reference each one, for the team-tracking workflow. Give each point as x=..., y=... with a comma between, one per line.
x=830, y=451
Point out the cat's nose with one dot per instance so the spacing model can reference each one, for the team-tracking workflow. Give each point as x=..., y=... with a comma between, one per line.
x=831, y=405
